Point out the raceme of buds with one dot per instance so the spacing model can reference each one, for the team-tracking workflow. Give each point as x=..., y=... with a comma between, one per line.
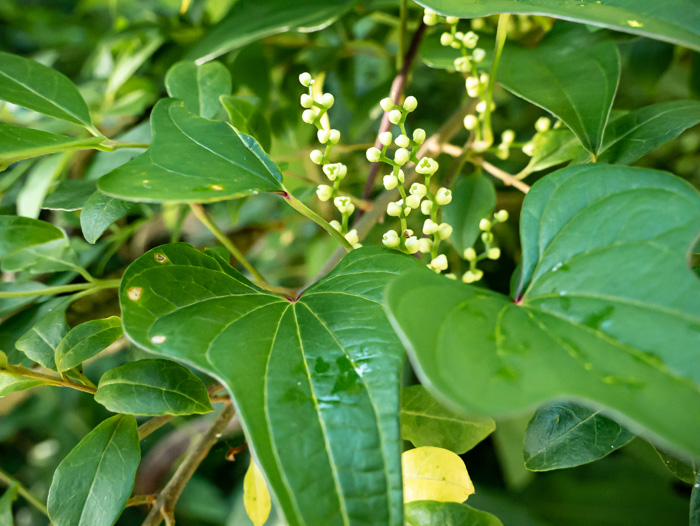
x=427, y=166
x=395, y=116
x=471, y=122
x=316, y=156
x=324, y=192
x=390, y=181
x=543, y=124
x=410, y=103
x=418, y=189
x=439, y=263
x=344, y=205
x=391, y=239
x=352, y=237
x=373, y=154
x=412, y=245
x=443, y=196
x=306, y=80
x=403, y=141
x=385, y=138
x=387, y=104
x=501, y=216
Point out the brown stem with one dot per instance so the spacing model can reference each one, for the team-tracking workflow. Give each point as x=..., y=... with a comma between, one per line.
x=163, y=508
x=19, y=370
x=396, y=92
x=141, y=500
x=508, y=179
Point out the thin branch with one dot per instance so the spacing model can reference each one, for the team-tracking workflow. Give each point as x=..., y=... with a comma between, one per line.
x=93, y=286
x=8, y=480
x=153, y=424
x=507, y=178
x=141, y=500
x=164, y=506
x=57, y=381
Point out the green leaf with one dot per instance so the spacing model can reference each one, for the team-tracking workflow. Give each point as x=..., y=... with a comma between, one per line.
x=192, y=160
x=573, y=74
x=316, y=383
x=18, y=142
x=70, y=195
x=6, y=505
x=251, y=20
x=199, y=87
x=508, y=442
x=551, y=148
x=39, y=343
x=13, y=384
x=674, y=21
x=99, y=213
x=607, y=311
x=21, y=233
x=246, y=118
x=564, y=435
x=686, y=469
x=41, y=176
x=695, y=503
x=473, y=199
x=153, y=388
x=37, y=87
x=637, y=133
x=424, y=422
x=86, y=340
x=8, y=305
x=433, y=513
x=92, y=484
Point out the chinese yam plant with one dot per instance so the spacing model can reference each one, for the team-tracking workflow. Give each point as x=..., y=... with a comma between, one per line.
x=350, y=262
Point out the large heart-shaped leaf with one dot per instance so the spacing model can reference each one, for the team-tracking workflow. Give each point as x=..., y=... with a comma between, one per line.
x=316, y=383
x=32, y=85
x=192, y=159
x=676, y=21
x=199, y=87
x=251, y=20
x=607, y=310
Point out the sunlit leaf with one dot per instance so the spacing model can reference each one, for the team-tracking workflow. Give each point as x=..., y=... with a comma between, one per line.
x=199, y=87
x=256, y=498
x=433, y=473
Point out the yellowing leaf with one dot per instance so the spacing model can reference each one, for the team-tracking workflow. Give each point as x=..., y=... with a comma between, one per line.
x=433, y=473
x=256, y=498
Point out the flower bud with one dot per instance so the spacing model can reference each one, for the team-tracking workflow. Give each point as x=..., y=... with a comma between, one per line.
x=430, y=227
x=507, y=137
x=472, y=276
x=316, y=156
x=470, y=254
x=425, y=245
x=470, y=39
x=334, y=136
x=410, y=103
x=446, y=39
x=487, y=237
x=501, y=216
x=493, y=253
x=395, y=116
x=401, y=176
x=401, y=156
x=452, y=20
x=390, y=181
x=478, y=55
x=418, y=189
x=407, y=210
x=481, y=106
x=484, y=78
x=307, y=100
x=305, y=79
x=427, y=166
x=309, y=116
x=344, y=205
x=502, y=151
x=529, y=149
x=459, y=36
x=324, y=192
x=373, y=154
x=394, y=209
x=439, y=263
x=471, y=122
x=451, y=275
x=443, y=196
x=412, y=245
x=413, y=201
x=426, y=207
x=385, y=138
x=478, y=23
x=462, y=64
x=391, y=239
x=430, y=17
x=485, y=225
x=332, y=171
x=419, y=135
x=327, y=100
x=543, y=124
x=352, y=237
x=473, y=85
x=444, y=230
x=387, y=104
x=403, y=141
x=336, y=224
x=407, y=233
x=323, y=136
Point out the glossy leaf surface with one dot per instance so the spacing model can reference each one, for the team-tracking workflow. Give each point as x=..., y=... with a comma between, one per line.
x=86, y=340
x=41, y=341
x=199, y=87
x=70, y=195
x=563, y=435
x=591, y=322
x=433, y=473
x=92, y=484
x=192, y=159
x=315, y=385
x=13, y=384
x=473, y=199
x=152, y=388
x=553, y=147
x=425, y=422
x=22, y=233
x=37, y=87
x=676, y=21
x=432, y=513
x=99, y=212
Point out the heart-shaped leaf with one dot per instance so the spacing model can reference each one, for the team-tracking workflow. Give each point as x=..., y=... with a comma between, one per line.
x=86, y=340
x=99, y=212
x=674, y=21
x=315, y=385
x=607, y=310
x=551, y=148
x=192, y=159
x=199, y=87
x=432, y=513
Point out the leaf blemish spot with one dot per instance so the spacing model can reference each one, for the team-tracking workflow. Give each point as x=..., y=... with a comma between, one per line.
x=134, y=293
x=158, y=339
x=216, y=187
x=160, y=258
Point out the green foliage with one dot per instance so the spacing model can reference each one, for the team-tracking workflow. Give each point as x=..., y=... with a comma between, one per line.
x=99, y=212
x=473, y=199
x=199, y=87
x=6, y=507
x=428, y=512
x=85, y=341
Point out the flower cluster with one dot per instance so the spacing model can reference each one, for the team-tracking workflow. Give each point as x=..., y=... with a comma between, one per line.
x=419, y=195
x=542, y=125
x=490, y=250
x=314, y=111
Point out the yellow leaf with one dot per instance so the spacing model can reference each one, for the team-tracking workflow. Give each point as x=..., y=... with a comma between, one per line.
x=256, y=498
x=433, y=473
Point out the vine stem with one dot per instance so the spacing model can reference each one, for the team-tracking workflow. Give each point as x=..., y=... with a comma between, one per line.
x=163, y=508
x=507, y=178
x=307, y=212
x=57, y=381
x=8, y=480
x=501, y=34
x=90, y=288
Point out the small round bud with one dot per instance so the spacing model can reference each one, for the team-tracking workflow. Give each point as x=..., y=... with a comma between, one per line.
x=471, y=122
x=473, y=85
x=410, y=103
x=419, y=135
x=385, y=138
x=390, y=181
x=425, y=245
x=373, y=154
x=427, y=166
x=452, y=20
x=430, y=227
x=426, y=207
x=430, y=17
x=403, y=141
x=493, y=253
x=444, y=230
x=307, y=100
x=323, y=136
x=352, y=237
x=342, y=171
x=439, y=263
x=529, y=149
x=394, y=209
x=487, y=237
x=502, y=152
x=451, y=275
x=470, y=39
x=407, y=210
x=470, y=254
x=324, y=192
x=401, y=176
x=391, y=239
x=443, y=196
x=395, y=116
x=446, y=39
x=507, y=137
x=413, y=201
x=327, y=100
x=484, y=78
x=501, y=216
x=462, y=64
x=305, y=79
x=387, y=104
x=332, y=171
x=418, y=189
x=485, y=225
x=309, y=116
x=334, y=136
x=412, y=245
x=478, y=55
x=344, y=205
x=336, y=224
x=401, y=156
x=481, y=107
x=543, y=124
x=459, y=36
x=472, y=276
x=478, y=23
x=316, y=156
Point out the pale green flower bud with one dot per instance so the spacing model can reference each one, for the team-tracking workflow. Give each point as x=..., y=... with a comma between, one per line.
x=401, y=156
x=470, y=39
x=391, y=239
x=401, y=176
x=443, y=196
x=387, y=104
x=481, y=107
x=390, y=181
x=324, y=192
x=373, y=154
x=444, y=230
x=410, y=103
x=418, y=189
x=305, y=79
x=503, y=152
x=327, y=100
x=403, y=141
x=451, y=276
x=529, y=149
x=458, y=37
x=316, y=156
x=430, y=17
x=332, y=171
x=473, y=85
x=352, y=237
x=452, y=20
x=413, y=201
x=478, y=24
x=336, y=224
x=484, y=78
x=446, y=39
x=493, y=253
x=543, y=124
x=485, y=225
x=309, y=116
x=323, y=136
x=344, y=205
x=462, y=64
x=478, y=55
x=471, y=122
x=334, y=136
x=394, y=209
x=487, y=237
x=507, y=137
x=439, y=263
x=385, y=138
x=412, y=245
x=470, y=254
x=472, y=276
x=425, y=245
x=307, y=100
x=427, y=166
x=501, y=216
x=395, y=116
x=419, y=135
x=426, y=207
x=430, y=227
